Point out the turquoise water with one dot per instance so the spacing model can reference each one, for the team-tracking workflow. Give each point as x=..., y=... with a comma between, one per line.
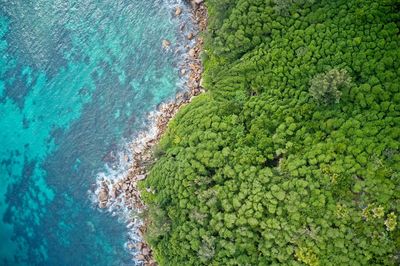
x=76, y=81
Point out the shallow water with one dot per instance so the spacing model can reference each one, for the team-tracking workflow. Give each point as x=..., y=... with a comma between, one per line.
x=77, y=79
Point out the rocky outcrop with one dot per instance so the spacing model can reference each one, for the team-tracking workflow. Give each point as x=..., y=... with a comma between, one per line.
x=192, y=52
x=196, y=3
x=124, y=193
x=103, y=197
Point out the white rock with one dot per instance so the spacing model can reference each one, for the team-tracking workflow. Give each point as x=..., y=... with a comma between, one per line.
x=178, y=11
x=140, y=177
x=166, y=43
x=192, y=52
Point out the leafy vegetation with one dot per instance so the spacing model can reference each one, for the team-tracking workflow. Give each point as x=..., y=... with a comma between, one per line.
x=260, y=169
x=325, y=88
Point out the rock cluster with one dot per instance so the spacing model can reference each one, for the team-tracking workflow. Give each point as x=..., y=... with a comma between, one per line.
x=196, y=3
x=103, y=197
x=124, y=192
x=194, y=64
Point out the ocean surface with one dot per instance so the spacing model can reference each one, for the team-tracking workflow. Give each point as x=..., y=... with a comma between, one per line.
x=77, y=79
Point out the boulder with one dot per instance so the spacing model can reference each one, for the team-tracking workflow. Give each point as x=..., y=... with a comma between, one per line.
x=178, y=11
x=103, y=196
x=195, y=3
x=166, y=43
x=186, y=96
x=145, y=251
x=192, y=52
x=190, y=36
x=179, y=97
x=140, y=245
x=140, y=177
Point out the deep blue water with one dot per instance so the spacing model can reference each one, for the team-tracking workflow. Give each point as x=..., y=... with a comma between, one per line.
x=77, y=78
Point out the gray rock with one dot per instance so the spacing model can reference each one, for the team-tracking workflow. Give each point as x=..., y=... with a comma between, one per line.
x=103, y=196
x=140, y=177
x=145, y=251
x=140, y=245
x=140, y=257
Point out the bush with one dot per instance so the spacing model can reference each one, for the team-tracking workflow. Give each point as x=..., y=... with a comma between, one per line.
x=282, y=7
x=157, y=224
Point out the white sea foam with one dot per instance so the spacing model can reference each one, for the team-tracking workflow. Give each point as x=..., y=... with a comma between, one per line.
x=119, y=169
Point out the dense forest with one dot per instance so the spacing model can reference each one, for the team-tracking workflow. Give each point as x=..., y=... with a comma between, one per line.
x=291, y=156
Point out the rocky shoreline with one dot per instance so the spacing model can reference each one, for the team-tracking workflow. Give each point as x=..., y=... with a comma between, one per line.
x=124, y=192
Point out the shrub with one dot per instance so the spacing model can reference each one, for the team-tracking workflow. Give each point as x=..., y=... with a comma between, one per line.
x=157, y=224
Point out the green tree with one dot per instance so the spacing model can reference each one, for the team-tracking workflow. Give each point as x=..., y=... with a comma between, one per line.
x=326, y=87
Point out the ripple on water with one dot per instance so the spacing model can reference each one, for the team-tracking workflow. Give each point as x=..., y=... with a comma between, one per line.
x=77, y=79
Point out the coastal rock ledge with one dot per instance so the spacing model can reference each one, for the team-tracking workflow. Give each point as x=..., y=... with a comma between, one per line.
x=124, y=193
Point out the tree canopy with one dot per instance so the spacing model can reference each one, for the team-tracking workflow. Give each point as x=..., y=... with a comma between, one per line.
x=292, y=155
